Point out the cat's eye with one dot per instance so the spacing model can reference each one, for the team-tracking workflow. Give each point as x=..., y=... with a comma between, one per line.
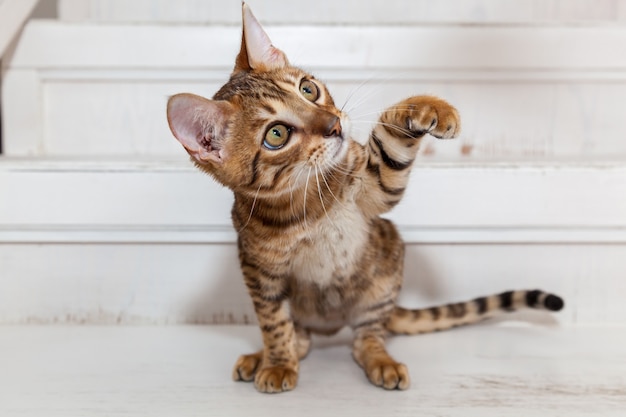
x=309, y=90
x=276, y=137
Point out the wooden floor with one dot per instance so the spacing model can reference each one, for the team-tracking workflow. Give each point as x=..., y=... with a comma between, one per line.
x=496, y=369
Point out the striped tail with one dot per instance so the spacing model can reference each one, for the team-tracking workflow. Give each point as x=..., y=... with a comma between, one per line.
x=426, y=320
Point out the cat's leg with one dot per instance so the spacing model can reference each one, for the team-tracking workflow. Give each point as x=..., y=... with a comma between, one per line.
x=247, y=366
x=369, y=352
x=382, y=274
x=393, y=145
x=275, y=369
x=278, y=370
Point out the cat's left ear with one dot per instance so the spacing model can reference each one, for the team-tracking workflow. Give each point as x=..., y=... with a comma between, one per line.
x=200, y=125
x=257, y=52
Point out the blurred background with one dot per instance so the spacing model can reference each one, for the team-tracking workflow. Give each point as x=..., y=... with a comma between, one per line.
x=103, y=219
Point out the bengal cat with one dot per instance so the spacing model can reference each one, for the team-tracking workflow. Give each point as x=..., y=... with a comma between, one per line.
x=314, y=253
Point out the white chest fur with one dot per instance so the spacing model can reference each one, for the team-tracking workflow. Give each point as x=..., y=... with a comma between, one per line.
x=332, y=247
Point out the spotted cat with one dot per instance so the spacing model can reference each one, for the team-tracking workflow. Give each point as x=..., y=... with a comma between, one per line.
x=314, y=253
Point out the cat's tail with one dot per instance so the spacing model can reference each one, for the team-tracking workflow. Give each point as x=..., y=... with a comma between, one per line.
x=426, y=320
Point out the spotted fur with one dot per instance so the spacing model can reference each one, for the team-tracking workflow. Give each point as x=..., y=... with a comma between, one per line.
x=314, y=253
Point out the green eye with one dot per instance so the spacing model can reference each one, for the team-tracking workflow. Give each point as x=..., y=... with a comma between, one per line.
x=276, y=137
x=309, y=90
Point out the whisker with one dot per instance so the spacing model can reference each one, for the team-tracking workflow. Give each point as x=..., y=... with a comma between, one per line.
x=359, y=117
x=251, y=209
x=306, y=189
x=331, y=191
x=297, y=178
x=357, y=88
x=319, y=192
x=389, y=125
x=344, y=171
x=381, y=83
x=377, y=112
x=341, y=170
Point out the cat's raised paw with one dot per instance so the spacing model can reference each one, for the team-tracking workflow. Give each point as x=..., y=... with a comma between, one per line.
x=247, y=366
x=426, y=114
x=388, y=375
x=276, y=379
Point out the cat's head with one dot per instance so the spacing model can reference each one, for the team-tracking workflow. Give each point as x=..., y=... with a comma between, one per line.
x=269, y=123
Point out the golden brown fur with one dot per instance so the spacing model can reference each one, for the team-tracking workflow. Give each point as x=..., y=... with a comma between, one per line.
x=314, y=254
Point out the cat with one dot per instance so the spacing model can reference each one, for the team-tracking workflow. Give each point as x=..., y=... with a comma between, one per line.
x=314, y=253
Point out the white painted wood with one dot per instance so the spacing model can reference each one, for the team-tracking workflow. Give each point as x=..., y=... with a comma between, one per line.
x=13, y=14
x=126, y=232
x=155, y=283
x=148, y=242
x=23, y=113
x=523, y=93
x=445, y=47
x=485, y=371
x=152, y=201
x=326, y=12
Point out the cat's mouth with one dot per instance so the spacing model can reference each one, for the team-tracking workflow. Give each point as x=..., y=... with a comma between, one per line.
x=340, y=147
x=344, y=139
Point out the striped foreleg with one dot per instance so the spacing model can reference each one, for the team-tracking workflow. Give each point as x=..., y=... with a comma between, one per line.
x=394, y=143
x=275, y=368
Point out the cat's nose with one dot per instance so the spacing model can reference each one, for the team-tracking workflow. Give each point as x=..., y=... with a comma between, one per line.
x=334, y=128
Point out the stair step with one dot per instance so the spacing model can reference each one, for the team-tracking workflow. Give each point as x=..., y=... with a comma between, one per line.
x=124, y=241
x=521, y=90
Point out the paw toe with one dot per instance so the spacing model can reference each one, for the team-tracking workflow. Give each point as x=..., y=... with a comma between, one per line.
x=390, y=376
x=276, y=379
x=431, y=115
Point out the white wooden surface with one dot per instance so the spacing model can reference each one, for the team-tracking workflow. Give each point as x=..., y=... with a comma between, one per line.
x=97, y=224
x=523, y=92
x=125, y=283
x=347, y=11
x=485, y=371
x=129, y=243
x=107, y=232
x=149, y=201
x=96, y=242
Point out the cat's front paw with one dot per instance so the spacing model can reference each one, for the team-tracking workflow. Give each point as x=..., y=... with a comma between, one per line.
x=247, y=366
x=276, y=379
x=388, y=375
x=419, y=115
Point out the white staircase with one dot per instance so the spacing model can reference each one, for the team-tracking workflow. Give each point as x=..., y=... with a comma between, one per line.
x=104, y=221
x=13, y=14
x=91, y=175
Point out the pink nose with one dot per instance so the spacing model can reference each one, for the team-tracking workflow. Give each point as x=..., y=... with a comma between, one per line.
x=334, y=128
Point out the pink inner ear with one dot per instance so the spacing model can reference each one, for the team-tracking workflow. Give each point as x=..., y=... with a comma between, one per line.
x=199, y=125
x=262, y=55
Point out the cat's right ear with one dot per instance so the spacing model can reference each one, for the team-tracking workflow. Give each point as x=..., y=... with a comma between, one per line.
x=257, y=52
x=200, y=125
